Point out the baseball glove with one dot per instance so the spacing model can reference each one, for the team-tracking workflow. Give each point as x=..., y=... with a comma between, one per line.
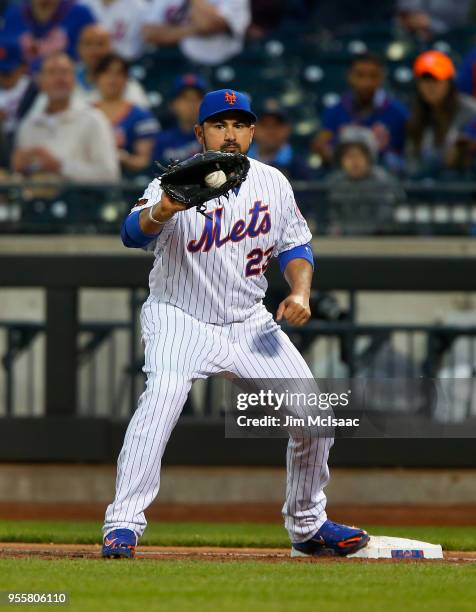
x=203, y=177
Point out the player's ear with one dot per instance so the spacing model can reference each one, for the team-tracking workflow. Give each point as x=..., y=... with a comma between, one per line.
x=199, y=134
x=252, y=132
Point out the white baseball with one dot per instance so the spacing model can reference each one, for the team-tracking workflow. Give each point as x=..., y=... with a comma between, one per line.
x=215, y=179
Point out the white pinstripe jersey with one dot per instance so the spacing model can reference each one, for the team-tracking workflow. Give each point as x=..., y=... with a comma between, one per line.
x=214, y=270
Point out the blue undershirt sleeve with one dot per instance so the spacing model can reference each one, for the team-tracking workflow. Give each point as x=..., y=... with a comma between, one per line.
x=303, y=251
x=132, y=234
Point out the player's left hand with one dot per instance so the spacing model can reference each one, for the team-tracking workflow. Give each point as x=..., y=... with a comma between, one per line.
x=294, y=309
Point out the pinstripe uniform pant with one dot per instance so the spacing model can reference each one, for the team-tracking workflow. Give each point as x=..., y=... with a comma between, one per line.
x=179, y=349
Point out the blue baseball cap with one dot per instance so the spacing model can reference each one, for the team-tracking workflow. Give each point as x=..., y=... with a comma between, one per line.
x=187, y=81
x=222, y=100
x=10, y=55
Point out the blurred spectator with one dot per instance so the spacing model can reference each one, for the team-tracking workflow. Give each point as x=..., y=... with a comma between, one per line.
x=208, y=32
x=361, y=195
x=271, y=143
x=135, y=128
x=4, y=158
x=466, y=150
x=436, y=134
x=366, y=104
x=425, y=18
x=44, y=26
x=94, y=44
x=65, y=140
x=123, y=19
x=180, y=142
x=466, y=78
x=17, y=91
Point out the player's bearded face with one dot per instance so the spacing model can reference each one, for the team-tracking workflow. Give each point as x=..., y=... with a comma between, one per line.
x=230, y=132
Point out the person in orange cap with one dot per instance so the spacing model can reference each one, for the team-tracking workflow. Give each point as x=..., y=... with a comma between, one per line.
x=439, y=114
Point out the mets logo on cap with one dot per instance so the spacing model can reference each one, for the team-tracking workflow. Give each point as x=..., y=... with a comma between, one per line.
x=230, y=97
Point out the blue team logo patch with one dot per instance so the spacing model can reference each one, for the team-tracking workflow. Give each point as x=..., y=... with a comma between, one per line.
x=407, y=554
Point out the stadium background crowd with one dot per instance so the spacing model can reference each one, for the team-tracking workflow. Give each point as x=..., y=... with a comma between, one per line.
x=94, y=91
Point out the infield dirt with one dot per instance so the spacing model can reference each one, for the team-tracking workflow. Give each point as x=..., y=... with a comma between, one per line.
x=201, y=553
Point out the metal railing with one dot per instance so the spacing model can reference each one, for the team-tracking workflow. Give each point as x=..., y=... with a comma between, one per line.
x=110, y=379
x=66, y=366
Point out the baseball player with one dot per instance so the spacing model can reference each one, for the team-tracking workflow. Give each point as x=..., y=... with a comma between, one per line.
x=205, y=316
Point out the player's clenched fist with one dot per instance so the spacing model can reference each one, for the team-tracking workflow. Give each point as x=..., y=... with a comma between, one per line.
x=294, y=309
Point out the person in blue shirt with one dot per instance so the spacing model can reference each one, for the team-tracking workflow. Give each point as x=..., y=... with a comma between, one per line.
x=135, y=128
x=180, y=142
x=45, y=26
x=17, y=93
x=365, y=104
x=466, y=77
x=271, y=144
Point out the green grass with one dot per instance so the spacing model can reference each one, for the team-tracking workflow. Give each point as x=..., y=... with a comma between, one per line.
x=237, y=586
x=218, y=534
